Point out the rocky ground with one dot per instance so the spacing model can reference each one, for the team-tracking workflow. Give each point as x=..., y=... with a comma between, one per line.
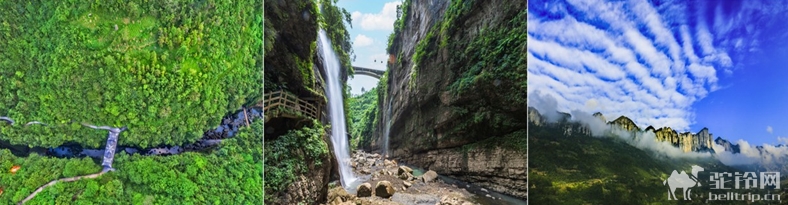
x=384, y=181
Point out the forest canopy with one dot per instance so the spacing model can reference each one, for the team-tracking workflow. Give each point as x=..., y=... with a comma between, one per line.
x=169, y=70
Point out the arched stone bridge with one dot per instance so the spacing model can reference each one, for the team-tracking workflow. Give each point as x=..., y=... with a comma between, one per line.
x=368, y=72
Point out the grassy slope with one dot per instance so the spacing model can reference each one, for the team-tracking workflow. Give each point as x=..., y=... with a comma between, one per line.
x=580, y=169
x=229, y=175
x=170, y=71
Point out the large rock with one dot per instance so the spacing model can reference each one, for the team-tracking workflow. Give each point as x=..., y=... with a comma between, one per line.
x=404, y=169
x=338, y=194
x=498, y=169
x=406, y=176
x=364, y=190
x=384, y=189
x=429, y=176
x=452, y=200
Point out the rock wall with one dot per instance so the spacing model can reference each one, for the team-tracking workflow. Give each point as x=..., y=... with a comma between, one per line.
x=495, y=168
x=292, y=64
x=686, y=141
x=311, y=187
x=429, y=119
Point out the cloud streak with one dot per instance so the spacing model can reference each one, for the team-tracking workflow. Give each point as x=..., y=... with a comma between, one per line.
x=636, y=59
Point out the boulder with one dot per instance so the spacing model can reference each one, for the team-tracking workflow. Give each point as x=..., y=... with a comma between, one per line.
x=384, y=189
x=336, y=201
x=338, y=195
x=364, y=190
x=452, y=200
x=407, y=184
x=406, y=176
x=429, y=176
x=404, y=169
x=388, y=163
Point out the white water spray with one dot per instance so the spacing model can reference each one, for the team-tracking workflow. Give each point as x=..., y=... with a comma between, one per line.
x=388, y=130
x=336, y=110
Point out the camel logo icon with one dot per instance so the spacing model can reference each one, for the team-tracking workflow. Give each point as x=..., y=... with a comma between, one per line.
x=684, y=181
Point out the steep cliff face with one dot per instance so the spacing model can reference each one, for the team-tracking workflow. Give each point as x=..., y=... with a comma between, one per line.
x=686, y=141
x=458, y=88
x=625, y=123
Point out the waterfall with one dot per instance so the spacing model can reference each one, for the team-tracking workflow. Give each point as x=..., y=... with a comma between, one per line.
x=336, y=110
x=387, y=131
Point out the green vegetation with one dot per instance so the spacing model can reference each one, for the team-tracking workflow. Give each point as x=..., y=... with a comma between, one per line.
x=229, y=175
x=168, y=70
x=402, y=18
x=332, y=20
x=580, y=169
x=496, y=55
x=293, y=154
x=362, y=112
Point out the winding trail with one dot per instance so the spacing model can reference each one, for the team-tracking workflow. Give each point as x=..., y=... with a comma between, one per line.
x=7, y=119
x=68, y=179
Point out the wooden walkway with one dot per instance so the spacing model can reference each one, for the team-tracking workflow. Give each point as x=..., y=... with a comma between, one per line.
x=280, y=99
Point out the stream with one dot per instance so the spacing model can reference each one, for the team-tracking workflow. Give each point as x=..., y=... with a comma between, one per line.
x=228, y=128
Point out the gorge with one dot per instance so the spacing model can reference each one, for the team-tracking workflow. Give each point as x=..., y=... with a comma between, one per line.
x=457, y=114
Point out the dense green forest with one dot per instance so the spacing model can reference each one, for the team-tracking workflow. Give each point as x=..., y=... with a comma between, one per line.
x=169, y=70
x=362, y=110
x=232, y=174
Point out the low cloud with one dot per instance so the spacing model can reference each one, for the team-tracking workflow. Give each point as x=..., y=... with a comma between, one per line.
x=769, y=156
x=769, y=129
x=546, y=104
x=783, y=140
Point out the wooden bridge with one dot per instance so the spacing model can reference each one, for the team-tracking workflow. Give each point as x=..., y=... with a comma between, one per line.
x=280, y=99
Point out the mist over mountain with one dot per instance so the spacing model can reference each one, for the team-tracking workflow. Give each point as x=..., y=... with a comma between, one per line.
x=664, y=141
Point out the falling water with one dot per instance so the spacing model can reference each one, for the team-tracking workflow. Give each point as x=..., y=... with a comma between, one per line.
x=387, y=131
x=336, y=110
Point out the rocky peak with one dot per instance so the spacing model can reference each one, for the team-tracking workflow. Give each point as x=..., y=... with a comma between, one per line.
x=625, y=123
x=667, y=134
x=729, y=147
x=534, y=117
x=600, y=116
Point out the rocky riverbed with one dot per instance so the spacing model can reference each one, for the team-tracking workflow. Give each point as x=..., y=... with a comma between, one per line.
x=384, y=181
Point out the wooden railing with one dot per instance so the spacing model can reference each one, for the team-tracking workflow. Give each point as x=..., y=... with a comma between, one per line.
x=278, y=99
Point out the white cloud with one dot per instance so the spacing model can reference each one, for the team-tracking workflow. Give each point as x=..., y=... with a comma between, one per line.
x=362, y=40
x=769, y=129
x=624, y=58
x=383, y=20
x=783, y=140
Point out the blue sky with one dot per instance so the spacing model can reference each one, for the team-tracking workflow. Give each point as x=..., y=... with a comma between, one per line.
x=683, y=64
x=373, y=21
